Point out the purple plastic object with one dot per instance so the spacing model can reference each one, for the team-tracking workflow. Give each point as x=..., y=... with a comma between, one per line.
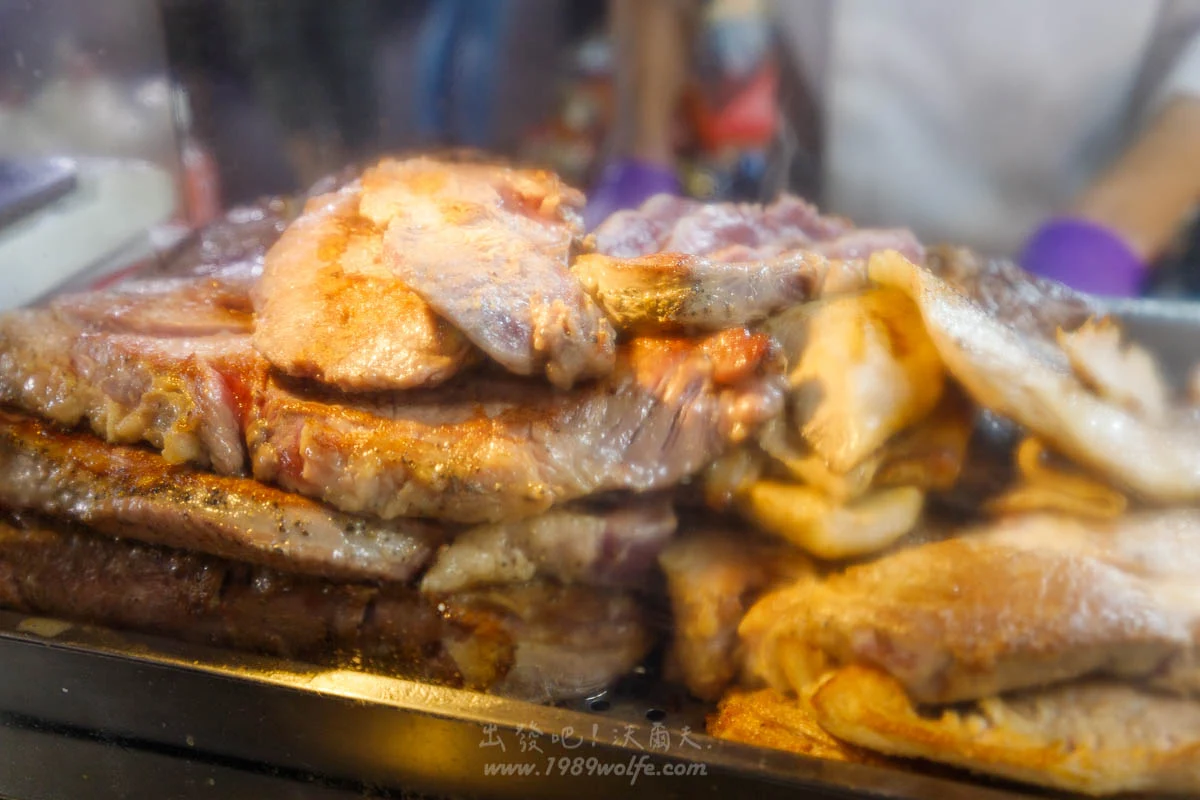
x=626, y=184
x=1085, y=256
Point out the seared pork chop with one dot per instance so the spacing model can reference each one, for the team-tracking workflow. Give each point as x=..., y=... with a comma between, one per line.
x=536, y=641
x=1021, y=604
x=598, y=546
x=487, y=247
x=1095, y=737
x=184, y=395
x=328, y=306
x=499, y=448
x=132, y=493
x=1029, y=381
x=740, y=231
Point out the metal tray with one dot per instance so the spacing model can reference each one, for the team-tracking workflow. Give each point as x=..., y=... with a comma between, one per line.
x=233, y=725
x=88, y=712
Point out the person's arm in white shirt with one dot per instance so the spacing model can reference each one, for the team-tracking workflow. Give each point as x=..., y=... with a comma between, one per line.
x=1154, y=186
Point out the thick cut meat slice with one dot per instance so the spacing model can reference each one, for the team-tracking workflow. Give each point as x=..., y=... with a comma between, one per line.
x=1120, y=372
x=329, y=308
x=712, y=579
x=501, y=448
x=183, y=395
x=131, y=493
x=1161, y=548
x=1029, y=381
x=165, y=307
x=671, y=291
x=1098, y=738
x=536, y=641
x=1035, y=307
x=615, y=546
x=487, y=248
x=741, y=232
x=1022, y=605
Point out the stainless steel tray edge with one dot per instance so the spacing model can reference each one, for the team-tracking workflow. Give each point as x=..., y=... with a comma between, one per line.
x=395, y=734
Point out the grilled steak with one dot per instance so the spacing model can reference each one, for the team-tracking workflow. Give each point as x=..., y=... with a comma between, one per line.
x=487, y=248
x=330, y=308
x=184, y=395
x=741, y=232
x=169, y=307
x=132, y=493
x=501, y=448
x=613, y=546
x=538, y=641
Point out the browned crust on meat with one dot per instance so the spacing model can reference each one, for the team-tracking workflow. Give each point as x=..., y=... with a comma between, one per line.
x=1019, y=738
x=766, y=718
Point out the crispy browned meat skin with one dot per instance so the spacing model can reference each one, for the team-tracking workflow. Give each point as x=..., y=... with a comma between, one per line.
x=673, y=291
x=1020, y=604
x=328, y=306
x=132, y=493
x=601, y=546
x=498, y=448
x=1028, y=380
x=1094, y=737
x=537, y=641
x=712, y=579
x=766, y=718
x=487, y=247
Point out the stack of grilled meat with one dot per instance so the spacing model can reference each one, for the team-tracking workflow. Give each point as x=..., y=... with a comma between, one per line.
x=418, y=421
x=899, y=503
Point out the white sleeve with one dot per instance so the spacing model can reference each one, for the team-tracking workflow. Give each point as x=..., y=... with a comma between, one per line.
x=1184, y=77
x=1173, y=63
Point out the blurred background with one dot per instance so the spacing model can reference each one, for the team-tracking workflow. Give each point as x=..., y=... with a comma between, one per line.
x=175, y=110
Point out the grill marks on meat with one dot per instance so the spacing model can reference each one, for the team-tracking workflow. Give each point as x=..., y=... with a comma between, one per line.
x=671, y=291
x=1030, y=383
x=606, y=547
x=183, y=395
x=330, y=308
x=537, y=641
x=733, y=232
x=131, y=493
x=501, y=448
x=487, y=248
